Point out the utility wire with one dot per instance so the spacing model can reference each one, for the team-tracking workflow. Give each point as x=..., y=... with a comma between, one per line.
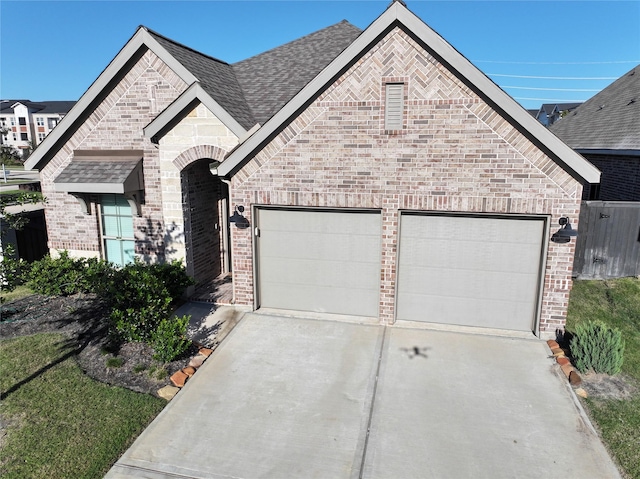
x=551, y=78
x=549, y=100
x=548, y=89
x=557, y=63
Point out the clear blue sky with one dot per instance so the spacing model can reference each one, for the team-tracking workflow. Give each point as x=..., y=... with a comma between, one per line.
x=52, y=50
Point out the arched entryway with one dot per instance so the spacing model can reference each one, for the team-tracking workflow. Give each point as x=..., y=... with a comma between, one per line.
x=205, y=213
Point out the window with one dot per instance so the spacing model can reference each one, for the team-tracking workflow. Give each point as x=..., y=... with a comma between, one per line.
x=40, y=121
x=52, y=122
x=22, y=121
x=13, y=121
x=117, y=229
x=24, y=137
x=394, y=106
x=41, y=136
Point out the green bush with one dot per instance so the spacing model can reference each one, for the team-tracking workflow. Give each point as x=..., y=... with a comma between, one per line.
x=597, y=347
x=13, y=270
x=65, y=276
x=141, y=296
x=169, y=340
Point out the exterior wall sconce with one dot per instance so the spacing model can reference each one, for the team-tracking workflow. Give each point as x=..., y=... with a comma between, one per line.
x=237, y=218
x=565, y=233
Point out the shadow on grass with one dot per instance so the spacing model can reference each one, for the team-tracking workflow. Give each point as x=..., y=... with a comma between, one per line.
x=82, y=318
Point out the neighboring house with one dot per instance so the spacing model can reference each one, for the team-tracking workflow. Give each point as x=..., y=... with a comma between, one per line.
x=549, y=113
x=376, y=174
x=26, y=123
x=606, y=131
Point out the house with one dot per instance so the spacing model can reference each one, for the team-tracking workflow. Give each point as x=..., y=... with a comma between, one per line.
x=377, y=174
x=25, y=123
x=549, y=113
x=606, y=131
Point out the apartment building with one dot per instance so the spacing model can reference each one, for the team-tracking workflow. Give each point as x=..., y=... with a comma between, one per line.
x=25, y=123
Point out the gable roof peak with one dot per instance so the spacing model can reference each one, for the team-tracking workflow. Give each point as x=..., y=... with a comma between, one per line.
x=181, y=45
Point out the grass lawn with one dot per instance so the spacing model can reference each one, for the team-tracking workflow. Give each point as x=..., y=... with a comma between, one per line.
x=617, y=303
x=59, y=422
x=18, y=293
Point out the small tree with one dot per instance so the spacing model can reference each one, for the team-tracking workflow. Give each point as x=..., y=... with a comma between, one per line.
x=12, y=268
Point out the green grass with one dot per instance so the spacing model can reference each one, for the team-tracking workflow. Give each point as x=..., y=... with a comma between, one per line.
x=617, y=303
x=63, y=424
x=18, y=293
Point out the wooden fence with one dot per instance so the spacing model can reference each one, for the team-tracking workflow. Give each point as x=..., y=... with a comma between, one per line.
x=608, y=243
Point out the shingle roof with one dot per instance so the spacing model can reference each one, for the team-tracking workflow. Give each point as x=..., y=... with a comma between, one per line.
x=216, y=77
x=271, y=79
x=90, y=171
x=549, y=108
x=38, y=106
x=608, y=121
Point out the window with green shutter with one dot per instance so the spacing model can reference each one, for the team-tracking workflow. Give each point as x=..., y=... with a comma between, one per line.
x=117, y=229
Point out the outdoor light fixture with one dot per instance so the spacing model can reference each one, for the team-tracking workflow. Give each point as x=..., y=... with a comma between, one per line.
x=565, y=233
x=237, y=218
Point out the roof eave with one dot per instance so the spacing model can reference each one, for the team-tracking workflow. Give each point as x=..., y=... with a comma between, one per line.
x=575, y=164
x=181, y=107
x=141, y=39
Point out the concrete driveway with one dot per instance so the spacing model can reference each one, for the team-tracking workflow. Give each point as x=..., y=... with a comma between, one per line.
x=286, y=397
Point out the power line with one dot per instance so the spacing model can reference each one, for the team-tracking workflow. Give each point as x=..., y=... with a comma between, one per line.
x=548, y=89
x=557, y=63
x=548, y=100
x=551, y=78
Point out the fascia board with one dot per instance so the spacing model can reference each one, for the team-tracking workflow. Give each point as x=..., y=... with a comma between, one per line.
x=142, y=38
x=182, y=105
x=610, y=152
x=454, y=59
x=117, y=188
x=508, y=105
x=307, y=92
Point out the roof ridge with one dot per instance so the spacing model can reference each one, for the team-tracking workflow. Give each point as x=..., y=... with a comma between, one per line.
x=181, y=45
x=299, y=39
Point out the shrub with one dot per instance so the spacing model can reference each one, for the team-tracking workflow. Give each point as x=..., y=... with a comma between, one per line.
x=13, y=270
x=597, y=347
x=169, y=340
x=173, y=276
x=64, y=275
x=141, y=297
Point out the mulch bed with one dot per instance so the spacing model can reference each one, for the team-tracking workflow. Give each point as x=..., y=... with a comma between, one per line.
x=82, y=319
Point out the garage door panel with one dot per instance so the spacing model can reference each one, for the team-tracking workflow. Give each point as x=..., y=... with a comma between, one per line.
x=446, y=283
x=325, y=261
x=456, y=312
x=480, y=256
x=315, y=273
x=317, y=246
x=475, y=271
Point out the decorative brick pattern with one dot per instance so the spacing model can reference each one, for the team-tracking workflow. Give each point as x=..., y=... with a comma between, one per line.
x=455, y=154
x=116, y=123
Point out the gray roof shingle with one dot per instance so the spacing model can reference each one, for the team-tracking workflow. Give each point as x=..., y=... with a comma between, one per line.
x=269, y=80
x=91, y=171
x=216, y=77
x=610, y=120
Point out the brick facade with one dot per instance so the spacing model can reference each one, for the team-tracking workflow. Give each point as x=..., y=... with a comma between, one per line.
x=116, y=123
x=454, y=154
x=620, y=180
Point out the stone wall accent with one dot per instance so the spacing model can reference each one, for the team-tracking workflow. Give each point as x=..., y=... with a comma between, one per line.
x=116, y=123
x=200, y=135
x=454, y=154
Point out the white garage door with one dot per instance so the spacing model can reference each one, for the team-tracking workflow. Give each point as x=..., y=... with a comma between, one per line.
x=471, y=271
x=324, y=261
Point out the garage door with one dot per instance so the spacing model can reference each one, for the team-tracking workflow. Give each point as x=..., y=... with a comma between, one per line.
x=471, y=271
x=324, y=261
